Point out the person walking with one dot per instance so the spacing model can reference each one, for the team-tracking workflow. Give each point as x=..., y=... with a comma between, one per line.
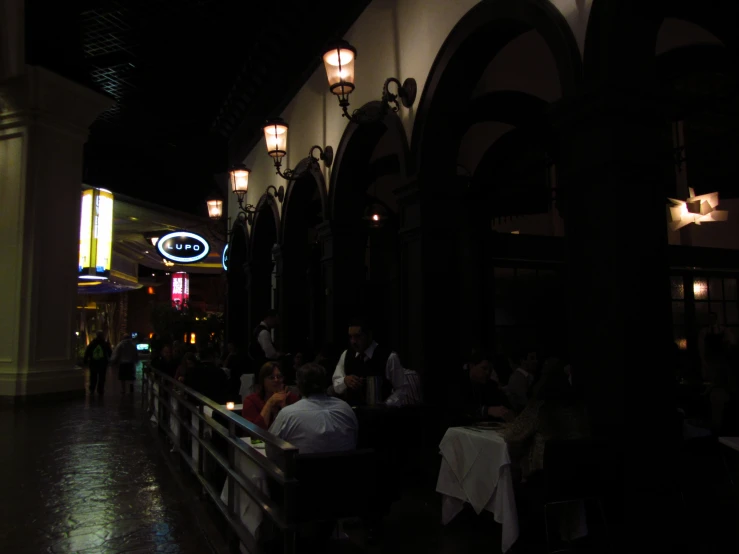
x=97, y=356
x=125, y=357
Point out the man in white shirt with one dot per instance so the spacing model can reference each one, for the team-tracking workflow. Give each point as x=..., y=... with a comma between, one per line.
x=521, y=379
x=317, y=423
x=261, y=348
x=365, y=358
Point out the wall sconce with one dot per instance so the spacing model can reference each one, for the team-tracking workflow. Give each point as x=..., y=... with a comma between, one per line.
x=275, y=136
x=696, y=209
x=339, y=63
x=215, y=208
x=240, y=185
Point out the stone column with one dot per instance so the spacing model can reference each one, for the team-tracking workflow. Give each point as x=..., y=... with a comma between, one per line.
x=44, y=122
x=615, y=164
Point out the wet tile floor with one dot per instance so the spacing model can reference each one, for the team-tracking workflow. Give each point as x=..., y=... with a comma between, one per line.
x=86, y=476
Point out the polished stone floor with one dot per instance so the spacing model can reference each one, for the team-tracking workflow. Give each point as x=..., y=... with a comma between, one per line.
x=86, y=476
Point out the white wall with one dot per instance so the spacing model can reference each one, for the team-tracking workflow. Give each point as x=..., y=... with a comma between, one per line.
x=394, y=38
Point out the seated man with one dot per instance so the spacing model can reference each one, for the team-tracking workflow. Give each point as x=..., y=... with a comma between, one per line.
x=318, y=423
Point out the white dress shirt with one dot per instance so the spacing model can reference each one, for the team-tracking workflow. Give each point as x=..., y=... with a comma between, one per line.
x=317, y=424
x=264, y=338
x=518, y=388
x=394, y=371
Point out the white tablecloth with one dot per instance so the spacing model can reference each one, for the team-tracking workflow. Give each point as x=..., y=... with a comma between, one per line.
x=475, y=468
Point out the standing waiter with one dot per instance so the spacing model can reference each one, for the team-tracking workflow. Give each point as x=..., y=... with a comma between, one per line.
x=364, y=359
x=261, y=347
x=380, y=429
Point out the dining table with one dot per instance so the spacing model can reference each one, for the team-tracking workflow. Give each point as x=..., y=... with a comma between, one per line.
x=476, y=469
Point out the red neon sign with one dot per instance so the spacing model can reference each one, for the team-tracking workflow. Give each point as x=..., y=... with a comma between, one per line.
x=180, y=290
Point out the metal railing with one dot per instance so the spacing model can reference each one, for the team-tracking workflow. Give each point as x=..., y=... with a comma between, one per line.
x=158, y=392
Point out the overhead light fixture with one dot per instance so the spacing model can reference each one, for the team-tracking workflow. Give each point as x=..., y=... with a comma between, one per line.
x=339, y=63
x=275, y=137
x=696, y=209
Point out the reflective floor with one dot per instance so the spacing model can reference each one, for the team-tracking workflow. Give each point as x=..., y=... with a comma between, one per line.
x=86, y=476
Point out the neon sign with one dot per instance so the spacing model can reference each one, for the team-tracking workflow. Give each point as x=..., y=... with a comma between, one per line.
x=183, y=247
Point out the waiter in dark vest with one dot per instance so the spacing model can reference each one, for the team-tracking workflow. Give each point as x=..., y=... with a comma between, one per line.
x=378, y=428
x=261, y=347
x=365, y=358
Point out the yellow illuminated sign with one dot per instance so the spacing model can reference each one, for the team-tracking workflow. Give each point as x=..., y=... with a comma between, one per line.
x=103, y=230
x=96, y=234
x=86, y=229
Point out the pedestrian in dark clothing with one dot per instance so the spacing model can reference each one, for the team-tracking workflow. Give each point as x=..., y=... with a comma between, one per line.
x=97, y=357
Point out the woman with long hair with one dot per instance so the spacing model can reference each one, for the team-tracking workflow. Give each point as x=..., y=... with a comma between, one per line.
x=269, y=396
x=552, y=413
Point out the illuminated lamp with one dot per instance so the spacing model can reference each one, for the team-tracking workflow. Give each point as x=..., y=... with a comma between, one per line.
x=338, y=61
x=96, y=234
x=696, y=209
x=275, y=137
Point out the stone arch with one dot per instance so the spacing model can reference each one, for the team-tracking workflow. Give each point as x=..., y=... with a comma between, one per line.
x=355, y=150
x=301, y=190
x=238, y=284
x=612, y=55
x=483, y=32
x=371, y=164
x=299, y=270
x=264, y=237
x=457, y=102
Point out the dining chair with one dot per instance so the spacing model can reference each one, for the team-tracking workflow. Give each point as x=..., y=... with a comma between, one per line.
x=576, y=471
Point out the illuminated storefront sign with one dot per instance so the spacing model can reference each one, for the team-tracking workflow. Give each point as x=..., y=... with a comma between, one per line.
x=224, y=258
x=183, y=247
x=180, y=290
x=96, y=234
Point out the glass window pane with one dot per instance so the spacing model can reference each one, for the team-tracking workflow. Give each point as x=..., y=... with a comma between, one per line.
x=715, y=290
x=731, y=313
x=730, y=289
x=678, y=312
x=677, y=287
x=718, y=309
x=678, y=333
x=700, y=288
x=701, y=314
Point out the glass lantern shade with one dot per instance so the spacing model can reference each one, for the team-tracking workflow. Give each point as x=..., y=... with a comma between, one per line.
x=339, y=63
x=239, y=179
x=215, y=208
x=275, y=135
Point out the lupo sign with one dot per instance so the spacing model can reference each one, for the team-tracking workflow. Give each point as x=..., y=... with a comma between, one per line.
x=183, y=247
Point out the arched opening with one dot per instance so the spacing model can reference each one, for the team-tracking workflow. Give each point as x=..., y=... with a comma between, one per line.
x=483, y=148
x=370, y=166
x=303, y=314
x=697, y=72
x=237, y=320
x=261, y=264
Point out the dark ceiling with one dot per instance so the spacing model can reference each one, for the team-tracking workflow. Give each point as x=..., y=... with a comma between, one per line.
x=187, y=76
